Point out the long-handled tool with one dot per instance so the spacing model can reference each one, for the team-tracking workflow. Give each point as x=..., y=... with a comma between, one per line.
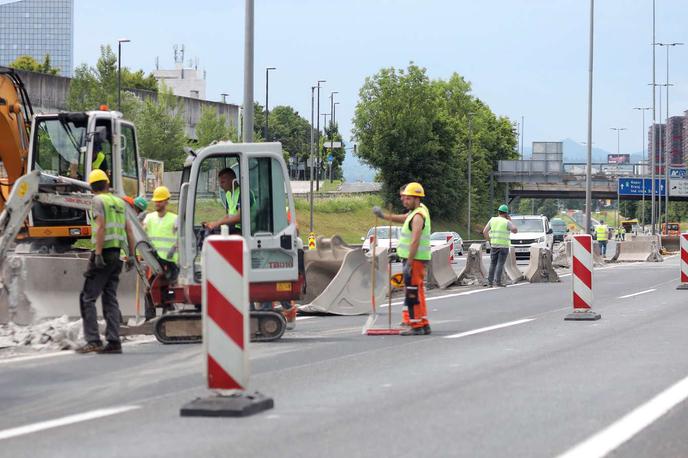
x=373, y=275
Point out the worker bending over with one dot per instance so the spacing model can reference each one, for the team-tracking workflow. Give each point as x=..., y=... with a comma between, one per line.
x=414, y=250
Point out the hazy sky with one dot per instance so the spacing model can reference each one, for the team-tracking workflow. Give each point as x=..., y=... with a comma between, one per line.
x=524, y=57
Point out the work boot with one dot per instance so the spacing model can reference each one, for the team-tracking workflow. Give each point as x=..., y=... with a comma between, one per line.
x=413, y=332
x=111, y=348
x=500, y=285
x=90, y=347
x=427, y=330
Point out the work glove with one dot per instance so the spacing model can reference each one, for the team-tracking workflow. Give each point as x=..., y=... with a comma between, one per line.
x=99, y=261
x=377, y=211
x=128, y=264
x=408, y=272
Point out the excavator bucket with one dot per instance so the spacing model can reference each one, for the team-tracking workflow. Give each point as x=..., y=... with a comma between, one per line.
x=322, y=264
x=349, y=291
x=37, y=287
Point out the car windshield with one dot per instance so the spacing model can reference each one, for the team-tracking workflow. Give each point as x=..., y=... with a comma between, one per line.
x=383, y=233
x=529, y=224
x=440, y=235
x=558, y=225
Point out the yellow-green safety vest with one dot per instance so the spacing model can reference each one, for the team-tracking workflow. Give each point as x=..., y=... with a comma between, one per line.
x=602, y=232
x=100, y=157
x=403, y=250
x=162, y=235
x=115, y=222
x=233, y=204
x=499, y=232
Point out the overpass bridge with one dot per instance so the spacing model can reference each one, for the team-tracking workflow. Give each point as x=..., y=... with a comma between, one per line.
x=556, y=179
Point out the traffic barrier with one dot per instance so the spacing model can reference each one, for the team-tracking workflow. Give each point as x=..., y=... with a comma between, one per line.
x=349, y=292
x=671, y=243
x=561, y=255
x=597, y=258
x=581, y=283
x=540, y=268
x=450, y=241
x=474, y=272
x=47, y=286
x=684, y=261
x=322, y=264
x=637, y=251
x=226, y=332
x=440, y=272
x=512, y=273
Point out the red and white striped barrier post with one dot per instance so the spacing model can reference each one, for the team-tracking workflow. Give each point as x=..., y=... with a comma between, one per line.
x=225, y=264
x=450, y=241
x=684, y=261
x=581, y=281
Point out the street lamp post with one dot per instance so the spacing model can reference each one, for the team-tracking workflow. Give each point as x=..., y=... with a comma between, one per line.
x=311, y=155
x=618, y=153
x=588, y=168
x=119, y=71
x=317, y=138
x=334, y=112
x=247, y=126
x=267, y=109
x=660, y=157
x=224, y=97
x=642, y=170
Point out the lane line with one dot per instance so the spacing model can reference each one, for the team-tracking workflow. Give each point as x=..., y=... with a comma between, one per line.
x=488, y=328
x=68, y=420
x=625, y=428
x=637, y=294
x=20, y=359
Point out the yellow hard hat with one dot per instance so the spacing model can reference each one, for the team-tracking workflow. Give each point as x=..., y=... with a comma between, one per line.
x=161, y=193
x=97, y=175
x=414, y=189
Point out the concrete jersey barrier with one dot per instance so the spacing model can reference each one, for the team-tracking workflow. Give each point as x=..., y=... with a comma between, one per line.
x=474, y=272
x=561, y=256
x=512, y=273
x=349, y=291
x=540, y=268
x=440, y=272
x=637, y=251
x=597, y=259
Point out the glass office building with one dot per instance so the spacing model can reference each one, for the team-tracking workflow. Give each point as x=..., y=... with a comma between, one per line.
x=36, y=28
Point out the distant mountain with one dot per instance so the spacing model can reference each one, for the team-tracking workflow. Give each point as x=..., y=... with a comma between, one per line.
x=355, y=171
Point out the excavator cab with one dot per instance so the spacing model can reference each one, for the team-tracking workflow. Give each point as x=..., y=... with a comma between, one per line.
x=71, y=145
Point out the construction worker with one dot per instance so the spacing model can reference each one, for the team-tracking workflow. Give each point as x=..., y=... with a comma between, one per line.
x=497, y=232
x=230, y=186
x=622, y=233
x=161, y=227
x=111, y=233
x=414, y=250
x=602, y=235
x=140, y=206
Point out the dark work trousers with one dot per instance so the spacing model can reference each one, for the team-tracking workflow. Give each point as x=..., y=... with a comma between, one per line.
x=497, y=260
x=101, y=282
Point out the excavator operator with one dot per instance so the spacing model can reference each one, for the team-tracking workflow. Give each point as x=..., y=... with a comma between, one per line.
x=230, y=186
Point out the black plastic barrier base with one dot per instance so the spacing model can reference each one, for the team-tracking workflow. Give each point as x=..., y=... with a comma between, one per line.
x=236, y=405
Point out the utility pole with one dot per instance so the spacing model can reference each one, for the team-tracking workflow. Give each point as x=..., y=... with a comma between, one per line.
x=317, y=139
x=119, y=71
x=267, y=109
x=642, y=169
x=312, y=148
x=588, y=168
x=247, y=127
x=654, y=120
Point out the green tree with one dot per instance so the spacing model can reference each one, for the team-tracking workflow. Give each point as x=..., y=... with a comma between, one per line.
x=160, y=128
x=213, y=127
x=30, y=64
x=290, y=129
x=413, y=129
x=138, y=80
x=338, y=154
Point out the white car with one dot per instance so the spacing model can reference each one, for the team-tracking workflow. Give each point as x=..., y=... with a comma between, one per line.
x=383, y=238
x=533, y=230
x=440, y=238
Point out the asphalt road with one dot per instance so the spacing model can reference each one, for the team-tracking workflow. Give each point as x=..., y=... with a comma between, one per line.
x=502, y=375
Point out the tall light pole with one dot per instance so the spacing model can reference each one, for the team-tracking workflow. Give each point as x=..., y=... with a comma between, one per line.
x=653, y=149
x=334, y=112
x=332, y=105
x=119, y=71
x=618, y=153
x=642, y=169
x=660, y=157
x=588, y=168
x=247, y=126
x=667, y=162
x=312, y=149
x=267, y=109
x=224, y=97
x=317, y=138
x=324, y=116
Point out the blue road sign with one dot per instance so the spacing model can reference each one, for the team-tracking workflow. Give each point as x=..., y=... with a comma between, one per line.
x=330, y=158
x=677, y=173
x=635, y=186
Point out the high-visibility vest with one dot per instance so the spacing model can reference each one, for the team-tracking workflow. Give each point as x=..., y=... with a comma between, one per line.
x=115, y=221
x=162, y=235
x=602, y=232
x=403, y=250
x=100, y=157
x=499, y=232
x=233, y=204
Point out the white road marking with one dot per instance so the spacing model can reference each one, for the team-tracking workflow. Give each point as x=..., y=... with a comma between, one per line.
x=301, y=318
x=631, y=424
x=33, y=357
x=638, y=293
x=488, y=328
x=68, y=420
